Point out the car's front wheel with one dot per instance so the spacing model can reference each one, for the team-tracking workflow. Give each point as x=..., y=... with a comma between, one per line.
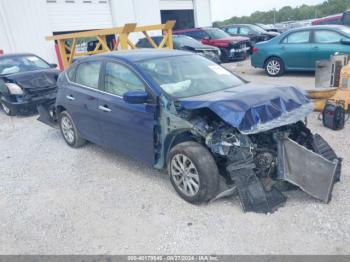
x=193, y=172
x=69, y=130
x=6, y=109
x=274, y=66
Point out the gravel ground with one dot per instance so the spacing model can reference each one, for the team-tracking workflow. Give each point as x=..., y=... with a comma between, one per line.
x=59, y=200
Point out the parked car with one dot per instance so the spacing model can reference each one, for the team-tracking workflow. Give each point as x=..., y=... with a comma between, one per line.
x=210, y=129
x=299, y=49
x=182, y=42
x=328, y=20
x=255, y=33
x=232, y=48
x=25, y=81
x=268, y=28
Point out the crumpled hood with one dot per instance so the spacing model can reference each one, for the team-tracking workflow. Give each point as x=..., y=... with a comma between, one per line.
x=39, y=79
x=254, y=108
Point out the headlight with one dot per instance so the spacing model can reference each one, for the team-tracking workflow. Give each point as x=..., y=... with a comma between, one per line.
x=219, y=52
x=14, y=89
x=232, y=50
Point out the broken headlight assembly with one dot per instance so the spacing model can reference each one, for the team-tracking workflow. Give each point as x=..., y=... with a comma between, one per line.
x=14, y=89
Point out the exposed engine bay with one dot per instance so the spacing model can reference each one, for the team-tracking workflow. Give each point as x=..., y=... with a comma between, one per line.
x=263, y=165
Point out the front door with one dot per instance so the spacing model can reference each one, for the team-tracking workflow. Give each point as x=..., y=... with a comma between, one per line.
x=128, y=128
x=325, y=44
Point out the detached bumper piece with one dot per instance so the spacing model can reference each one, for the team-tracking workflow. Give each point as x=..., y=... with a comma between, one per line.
x=47, y=114
x=251, y=192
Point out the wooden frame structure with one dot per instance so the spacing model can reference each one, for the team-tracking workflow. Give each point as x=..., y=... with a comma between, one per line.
x=67, y=43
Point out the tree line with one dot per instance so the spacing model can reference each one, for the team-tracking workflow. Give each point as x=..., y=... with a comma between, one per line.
x=289, y=13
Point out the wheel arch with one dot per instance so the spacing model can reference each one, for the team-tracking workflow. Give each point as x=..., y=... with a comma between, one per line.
x=274, y=56
x=174, y=139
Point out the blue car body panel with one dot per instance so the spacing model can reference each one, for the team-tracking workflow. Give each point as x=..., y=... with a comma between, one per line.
x=254, y=108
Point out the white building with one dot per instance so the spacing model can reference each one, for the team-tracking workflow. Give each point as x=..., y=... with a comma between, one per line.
x=24, y=24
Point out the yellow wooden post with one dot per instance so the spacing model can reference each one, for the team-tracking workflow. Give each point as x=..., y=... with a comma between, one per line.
x=124, y=35
x=169, y=32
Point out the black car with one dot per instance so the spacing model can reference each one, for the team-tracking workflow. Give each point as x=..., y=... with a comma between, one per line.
x=254, y=32
x=26, y=80
x=187, y=43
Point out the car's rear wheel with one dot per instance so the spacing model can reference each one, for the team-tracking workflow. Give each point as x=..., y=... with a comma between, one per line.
x=6, y=109
x=274, y=66
x=69, y=130
x=193, y=172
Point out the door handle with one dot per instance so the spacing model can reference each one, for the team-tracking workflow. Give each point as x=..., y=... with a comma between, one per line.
x=315, y=47
x=104, y=108
x=70, y=97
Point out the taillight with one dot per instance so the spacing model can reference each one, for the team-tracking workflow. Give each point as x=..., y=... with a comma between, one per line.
x=255, y=50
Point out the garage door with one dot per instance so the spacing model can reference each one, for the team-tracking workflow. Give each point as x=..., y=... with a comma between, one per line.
x=76, y=15
x=176, y=4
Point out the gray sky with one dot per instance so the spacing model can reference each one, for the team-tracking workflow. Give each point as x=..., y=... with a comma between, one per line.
x=223, y=9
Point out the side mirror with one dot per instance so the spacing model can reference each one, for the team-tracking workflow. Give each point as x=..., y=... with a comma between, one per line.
x=345, y=41
x=135, y=97
x=53, y=65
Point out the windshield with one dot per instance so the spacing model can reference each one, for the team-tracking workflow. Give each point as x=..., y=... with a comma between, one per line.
x=190, y=75
x=216, y=33
x=19, y=64
x=186, y=41
x=258, y=29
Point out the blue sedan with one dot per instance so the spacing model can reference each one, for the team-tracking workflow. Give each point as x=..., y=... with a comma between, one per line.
x=299, y=49
x=182, y=112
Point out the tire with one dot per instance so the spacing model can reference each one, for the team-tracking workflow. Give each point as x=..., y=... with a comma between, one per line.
x=69, y=130
x=274, y=66
x=7, y=110
x=205, y=173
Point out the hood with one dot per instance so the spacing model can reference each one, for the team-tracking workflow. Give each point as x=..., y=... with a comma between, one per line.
x=39, y=79
x=272, y=34
x=253, y=108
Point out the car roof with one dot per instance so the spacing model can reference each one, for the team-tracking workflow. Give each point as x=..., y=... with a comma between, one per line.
x=334, y=27
x=16, y=55
x=140, y=54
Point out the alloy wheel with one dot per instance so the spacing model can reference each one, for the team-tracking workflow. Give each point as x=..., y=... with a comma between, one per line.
x=273, y=67
x=67, y=129
x=6, y=109
x=185, y=175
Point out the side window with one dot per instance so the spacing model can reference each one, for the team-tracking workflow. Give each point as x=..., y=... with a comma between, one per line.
x=232, y=30
x=119, y=79
x=87, y=74
x=244, y=31
x=325, y=37
x=297, y=38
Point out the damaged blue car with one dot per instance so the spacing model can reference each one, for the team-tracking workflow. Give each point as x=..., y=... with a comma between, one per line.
x=215, y=133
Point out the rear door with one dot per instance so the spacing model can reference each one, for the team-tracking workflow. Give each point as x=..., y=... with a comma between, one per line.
x=128, y=128
x=326, y=43
x=80, y=98
x=295, y=50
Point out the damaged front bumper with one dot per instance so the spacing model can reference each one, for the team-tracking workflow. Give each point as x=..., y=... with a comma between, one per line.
x=23, y=104
x=304, y=168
